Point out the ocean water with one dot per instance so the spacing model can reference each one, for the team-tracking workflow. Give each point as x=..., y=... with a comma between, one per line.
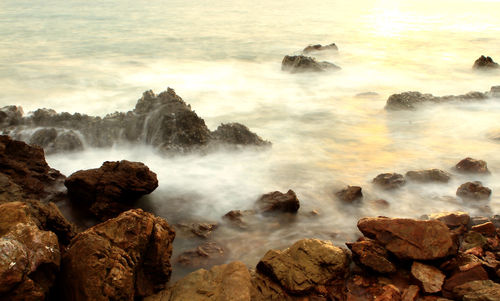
x=224, y=58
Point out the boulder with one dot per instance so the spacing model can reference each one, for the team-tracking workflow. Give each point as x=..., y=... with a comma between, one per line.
x=452, y=219
x=124, y=258
x=389, y=181
x=319, y=47
x=485, y=63
x=429, y=278
x=479, y=290
x=278, y=202
x=411, y=100
x=237, y=134
x=30, y=257
x=487, y=229
x=112, y=188
x=10, y=116
x=474, y=191
x=44, y=137
x=469, y=165
x=300, y=63
x=225, y=282
x=306, y=264
x=410, y=293
x=409, y=238
x=206, y=254
x=26, y=167
x=428, y=175
x=66, y=141
x=389, y=293
x=467, y=273
x=370, y=254
x=349, y=194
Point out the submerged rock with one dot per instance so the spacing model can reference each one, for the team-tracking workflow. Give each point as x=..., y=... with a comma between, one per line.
x=411, y=100
x=485, y=63
x=304, y=265
x=124, y=258
x=428, y=175
x=278, y=202
x=206, y=254
x=409, y=238
x=319, y=47
x=300, y=63
x=350, y=194
x=470, y=165
x=474, y=191
x=112, y=188
x=389, y=181
x=164, y=121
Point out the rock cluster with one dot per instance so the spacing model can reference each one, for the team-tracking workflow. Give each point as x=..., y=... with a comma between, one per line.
x=301, y=63
x=411, y=100
x=164, y=121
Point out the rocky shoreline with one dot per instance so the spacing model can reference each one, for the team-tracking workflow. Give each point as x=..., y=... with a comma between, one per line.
x=128, y=255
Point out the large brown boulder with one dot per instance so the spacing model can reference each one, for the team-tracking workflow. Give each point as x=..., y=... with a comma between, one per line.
x=278, y=202
x=225, y=282
x=112, y=188
x=306, y=264
x=30, y=257
x=389, y=181
x=409, y=238
x=25, y=165
x=474, y=191
x=123, y=258
x=470, y=165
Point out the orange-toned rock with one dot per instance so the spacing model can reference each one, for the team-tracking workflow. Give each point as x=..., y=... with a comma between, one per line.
x=467, y=273
x=409, y=238
x=370, y=254
x=487, y=229
x=390, y=293
x=429, y=278
x=410, y=293
x=469, y=165
x=474, y=191
x=123, y=258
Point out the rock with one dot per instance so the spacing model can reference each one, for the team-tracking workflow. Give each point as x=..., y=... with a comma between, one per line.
x=380, y=203
x=495, y=91
x=485, y=63
x=370, y=254
x=319, y=47
x=123, y=258
x=112, y=188
x=452, y=219
x=235, y=217
x=44, y=137
x=30, y=257
x=411, y=100
x=202, y=230
x=409, y=238
x=467, y=273
x=300, y=63
x=277, y=201
x=164, y=121
x=479, y=290
x=266, y=289
x=410, y=293
x=237, y=134
x=10, y=116
x=487, y=229
x=469, y=165
x=225, y=282
x=349, y=194
x=428, y=175
x=390, y=293
x=367, y=95
x=429, y=278
x=206, y=254
x=474, y=191
x=26, y=167
x=471, y=240
x=304, y=265
x=389, y=180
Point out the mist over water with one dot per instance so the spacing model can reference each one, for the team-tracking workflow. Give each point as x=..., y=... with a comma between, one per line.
x=224, y=57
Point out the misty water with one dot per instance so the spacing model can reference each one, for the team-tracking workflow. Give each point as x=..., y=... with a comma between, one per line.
x=224, y=58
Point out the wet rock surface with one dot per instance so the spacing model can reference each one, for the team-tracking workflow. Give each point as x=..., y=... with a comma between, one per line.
x=319, y=47
x=164, y=121
x=121, y=259
x=411, y=100
x=204, y=255
x=428, y=175
x=474, y=191
x=485, y=63
x=300, y=64
x=278, y=202
x=470, y=165
x=389, y=181
x=350, y=194
x=112, y=188
x=372, y=255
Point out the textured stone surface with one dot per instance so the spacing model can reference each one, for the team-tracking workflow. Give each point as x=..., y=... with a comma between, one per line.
x=485, y=63
x=389, y=180
x=304, y=265
x=350, y=194
x=300, y=63
x=121, y=259
x=370, y=254
x=277, y=201
x=474, y=191
x=319, y=47
x=428, y=175
x=470, y=165
x=409, y=238
x=430, y=279
x=411, y=100
x=481, y=290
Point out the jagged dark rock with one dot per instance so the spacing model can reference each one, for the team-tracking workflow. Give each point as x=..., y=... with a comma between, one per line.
x=300, y=63
x=485, y=63
x=389, y=181
x=278, y=202
x=474, y=191
x=319, y=47
x=164, y=121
